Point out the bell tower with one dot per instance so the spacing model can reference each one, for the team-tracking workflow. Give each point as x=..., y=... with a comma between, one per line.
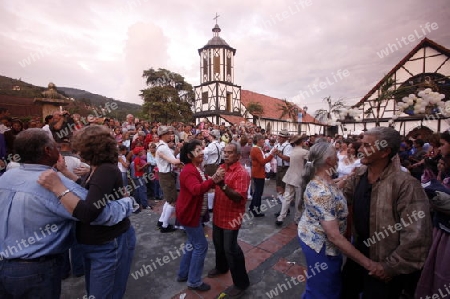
x=217, y=94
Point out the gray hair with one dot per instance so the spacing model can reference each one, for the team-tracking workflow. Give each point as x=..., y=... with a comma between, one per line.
x=30, y=145
x=389, y=135
x=237, y=147
x=257, y=137
x=318, y=154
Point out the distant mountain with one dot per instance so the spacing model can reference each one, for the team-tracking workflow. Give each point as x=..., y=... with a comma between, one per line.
x=97, y=100
x=84, y=102
x=16, y=87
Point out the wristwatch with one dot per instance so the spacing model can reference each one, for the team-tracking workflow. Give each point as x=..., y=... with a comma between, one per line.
x=224, y=187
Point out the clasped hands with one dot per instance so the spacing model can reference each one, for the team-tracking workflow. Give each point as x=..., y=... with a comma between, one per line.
x=376, y=269
x=219, y=175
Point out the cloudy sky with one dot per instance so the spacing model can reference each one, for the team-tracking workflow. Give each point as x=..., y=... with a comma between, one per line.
x=285, y=48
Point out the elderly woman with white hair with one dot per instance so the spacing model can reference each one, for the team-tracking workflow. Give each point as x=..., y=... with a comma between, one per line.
x=323, y=224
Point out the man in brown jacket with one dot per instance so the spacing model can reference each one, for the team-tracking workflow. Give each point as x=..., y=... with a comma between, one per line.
x=391, y=224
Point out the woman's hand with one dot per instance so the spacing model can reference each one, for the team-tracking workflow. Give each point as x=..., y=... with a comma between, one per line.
x=376, y=269
x=61, y=164
x=50, y=180
x=219, y=175
x=82, y=170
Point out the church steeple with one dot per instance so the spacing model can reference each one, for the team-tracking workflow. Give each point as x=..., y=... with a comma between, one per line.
x=217, y=94
x=216, y=59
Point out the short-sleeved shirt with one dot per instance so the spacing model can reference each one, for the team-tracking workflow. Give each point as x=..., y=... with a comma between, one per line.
x=163, y=165
x=285, y=149
x=128, y=127
x=323, y=202
x=227, y=213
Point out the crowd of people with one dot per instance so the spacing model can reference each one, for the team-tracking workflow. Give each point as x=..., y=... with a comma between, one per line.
x=374, y=198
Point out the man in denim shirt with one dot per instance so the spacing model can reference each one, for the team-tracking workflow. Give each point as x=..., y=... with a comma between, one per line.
x=35, y=228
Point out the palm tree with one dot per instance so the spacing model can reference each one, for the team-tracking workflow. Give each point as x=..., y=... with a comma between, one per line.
x=323, y=115
x=288, y=109
x=255, y=109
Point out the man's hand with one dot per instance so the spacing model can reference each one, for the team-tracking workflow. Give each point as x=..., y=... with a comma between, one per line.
x=219, y=175
x=378, y=271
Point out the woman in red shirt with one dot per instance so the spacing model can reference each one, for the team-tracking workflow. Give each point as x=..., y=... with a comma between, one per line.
x=192, y=203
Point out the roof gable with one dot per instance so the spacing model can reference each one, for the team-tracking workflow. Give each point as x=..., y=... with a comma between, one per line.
x=423, y=44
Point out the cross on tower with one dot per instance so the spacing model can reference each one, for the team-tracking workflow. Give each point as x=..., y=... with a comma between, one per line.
x=217, y=16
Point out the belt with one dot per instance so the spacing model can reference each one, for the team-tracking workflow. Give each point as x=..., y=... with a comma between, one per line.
x=41, y=259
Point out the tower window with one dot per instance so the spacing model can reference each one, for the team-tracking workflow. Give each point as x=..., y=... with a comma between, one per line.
x=216, y=64
x=205, y=66
x=228, y=101
x=205, y=97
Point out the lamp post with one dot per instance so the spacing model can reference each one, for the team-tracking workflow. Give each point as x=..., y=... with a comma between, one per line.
x=304, y=110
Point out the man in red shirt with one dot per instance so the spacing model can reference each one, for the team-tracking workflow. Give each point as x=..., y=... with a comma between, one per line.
x=229, y=207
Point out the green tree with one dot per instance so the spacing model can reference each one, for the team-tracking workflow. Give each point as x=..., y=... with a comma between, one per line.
x=168, y=96
x=288, y=109
x=255, y=109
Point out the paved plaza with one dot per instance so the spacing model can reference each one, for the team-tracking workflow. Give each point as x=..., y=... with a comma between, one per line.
x=273, y=259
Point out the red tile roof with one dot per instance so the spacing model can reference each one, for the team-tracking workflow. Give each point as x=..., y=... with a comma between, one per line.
x=233, y=119
x=271, y=106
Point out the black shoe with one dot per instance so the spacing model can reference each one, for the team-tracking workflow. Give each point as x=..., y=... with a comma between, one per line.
x=278, y=223
x=259, y=215
x=180, y=279
x=137, y=211
x=168, y=229
x=214, y=273
x=159, y=224
x=234, y=293
x=202, y=288
x=278, y=213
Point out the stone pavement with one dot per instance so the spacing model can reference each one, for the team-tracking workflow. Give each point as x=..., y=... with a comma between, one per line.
x=273, y=258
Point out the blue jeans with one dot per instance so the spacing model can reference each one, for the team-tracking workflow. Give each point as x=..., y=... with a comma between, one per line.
x=192, y=262
x=255, y=205
x=73, y=261
x=31, y=279
x=326, y=284
x=108, y=266
x=140, y=193
x=124, y=178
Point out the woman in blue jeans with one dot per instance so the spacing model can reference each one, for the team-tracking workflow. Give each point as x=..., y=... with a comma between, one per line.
x=322, y=226
x=107, y=250
x=192, y=204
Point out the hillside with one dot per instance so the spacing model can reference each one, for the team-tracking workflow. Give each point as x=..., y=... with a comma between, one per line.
x=97, y=100
x=84, y=100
